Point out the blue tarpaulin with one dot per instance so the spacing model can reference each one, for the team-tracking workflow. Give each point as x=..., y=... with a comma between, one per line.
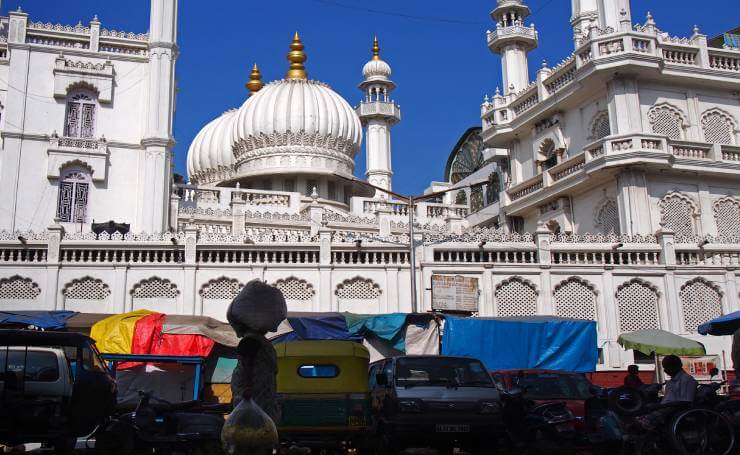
x=47, y=320
x=389, y=327
x=539, y=342
x=317, y=326
x=723, y=325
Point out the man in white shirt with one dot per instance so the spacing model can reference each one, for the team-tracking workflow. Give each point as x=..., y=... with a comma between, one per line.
x=681, y=387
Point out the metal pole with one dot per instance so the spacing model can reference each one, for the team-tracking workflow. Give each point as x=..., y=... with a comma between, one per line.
x=412, y=252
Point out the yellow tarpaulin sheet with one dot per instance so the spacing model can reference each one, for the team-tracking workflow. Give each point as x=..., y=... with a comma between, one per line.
x=113, y=335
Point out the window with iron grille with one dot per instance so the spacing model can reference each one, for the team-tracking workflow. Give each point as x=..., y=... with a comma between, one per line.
x=310, y=185
x=74, y=190
x=80, y=119
x=332, y=191
x=289, y=185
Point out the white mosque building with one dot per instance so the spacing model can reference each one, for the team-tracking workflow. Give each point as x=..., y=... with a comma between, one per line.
x=607, y=189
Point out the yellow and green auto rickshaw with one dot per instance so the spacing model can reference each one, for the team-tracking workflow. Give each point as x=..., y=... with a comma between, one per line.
x=323, y=393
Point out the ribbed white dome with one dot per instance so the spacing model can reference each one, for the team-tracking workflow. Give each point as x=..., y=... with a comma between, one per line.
x=376, y=70
x=211, y=150
x=299, y=107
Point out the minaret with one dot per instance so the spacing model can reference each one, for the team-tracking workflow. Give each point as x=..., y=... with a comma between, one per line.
x=155, y=164
x=378, y=113
x=513, y=40
x=585, y=13
x=615, y=15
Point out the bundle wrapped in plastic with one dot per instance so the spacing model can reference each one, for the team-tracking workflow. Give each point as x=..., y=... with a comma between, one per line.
x=249, y=430
x=258, y=308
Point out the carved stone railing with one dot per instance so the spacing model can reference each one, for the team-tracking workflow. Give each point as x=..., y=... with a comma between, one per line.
x=299, y=248
x=610, y=46
x=561, y=76
x=674, y=153
x=526, y=188
x=567, y=167
x=88, y=37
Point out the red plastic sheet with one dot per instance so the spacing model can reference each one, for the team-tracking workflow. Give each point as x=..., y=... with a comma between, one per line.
x=148, y=339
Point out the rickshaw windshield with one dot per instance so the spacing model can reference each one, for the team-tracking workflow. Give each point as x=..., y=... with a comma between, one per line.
x=19, y=363
x=453, y=372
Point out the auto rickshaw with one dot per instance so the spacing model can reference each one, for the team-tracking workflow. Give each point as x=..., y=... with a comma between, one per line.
x=323, y=394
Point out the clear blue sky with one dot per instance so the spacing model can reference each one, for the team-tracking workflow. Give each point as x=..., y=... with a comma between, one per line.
x=437, y=50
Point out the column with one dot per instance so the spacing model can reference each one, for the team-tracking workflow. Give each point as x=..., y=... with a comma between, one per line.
x=634, y=203
x=191, y=301
x=392, y=299
x=624, y=106
x=612, y=351
x=15, y=119
x=237, y=214
x=121, y=301
x=672, y=312
x=174, y=210
x=155, y=164
x=52, y=295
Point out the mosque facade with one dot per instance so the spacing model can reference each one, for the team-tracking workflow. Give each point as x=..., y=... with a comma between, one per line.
x=606, y=189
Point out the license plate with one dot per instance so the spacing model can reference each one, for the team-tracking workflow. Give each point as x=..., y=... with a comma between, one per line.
x=453, y=428
x=563, y=427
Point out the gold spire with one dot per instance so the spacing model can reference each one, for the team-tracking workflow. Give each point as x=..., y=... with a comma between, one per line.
x=255, y=80
x=376, y=49
x=296, y=57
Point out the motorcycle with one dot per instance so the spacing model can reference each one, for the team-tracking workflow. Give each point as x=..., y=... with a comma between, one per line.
x=533, y=428
x=158, y=426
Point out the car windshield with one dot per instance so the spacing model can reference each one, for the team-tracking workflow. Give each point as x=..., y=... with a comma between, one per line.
x=544, y=386
x=452, y=372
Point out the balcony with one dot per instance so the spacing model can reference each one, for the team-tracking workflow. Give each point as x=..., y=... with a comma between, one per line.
x=380, y=109
x=614, y=151
x=89, y=153
x=643, y=49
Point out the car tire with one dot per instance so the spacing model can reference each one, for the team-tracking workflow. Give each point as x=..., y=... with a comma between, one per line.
x=117, y=439
x=387, y=444
x=65, y=445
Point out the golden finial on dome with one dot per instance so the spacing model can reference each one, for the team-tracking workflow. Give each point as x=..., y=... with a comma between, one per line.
x=296, y=57
x=376, y=49
x=255, y=80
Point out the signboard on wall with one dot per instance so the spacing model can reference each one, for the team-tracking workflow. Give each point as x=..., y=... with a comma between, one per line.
x=696, y=366
x=455, y=293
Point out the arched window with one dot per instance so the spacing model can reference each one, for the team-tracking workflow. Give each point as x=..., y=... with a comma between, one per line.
x=74, y=190
x=476, y=198
x=718, y=127
x=461, y=198
x=727, y=217
x=637, y=303
x=600, y=127
x=547, y=156
x=666, y=120
x=607, y=218
x=80, y=118
x=493, y=188
x=677, y=214
x=701, y=301
x=295, y=289
x=516, y=297
x=575, y=298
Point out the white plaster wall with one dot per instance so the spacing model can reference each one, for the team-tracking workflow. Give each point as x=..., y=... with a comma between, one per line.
x=586, y=203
